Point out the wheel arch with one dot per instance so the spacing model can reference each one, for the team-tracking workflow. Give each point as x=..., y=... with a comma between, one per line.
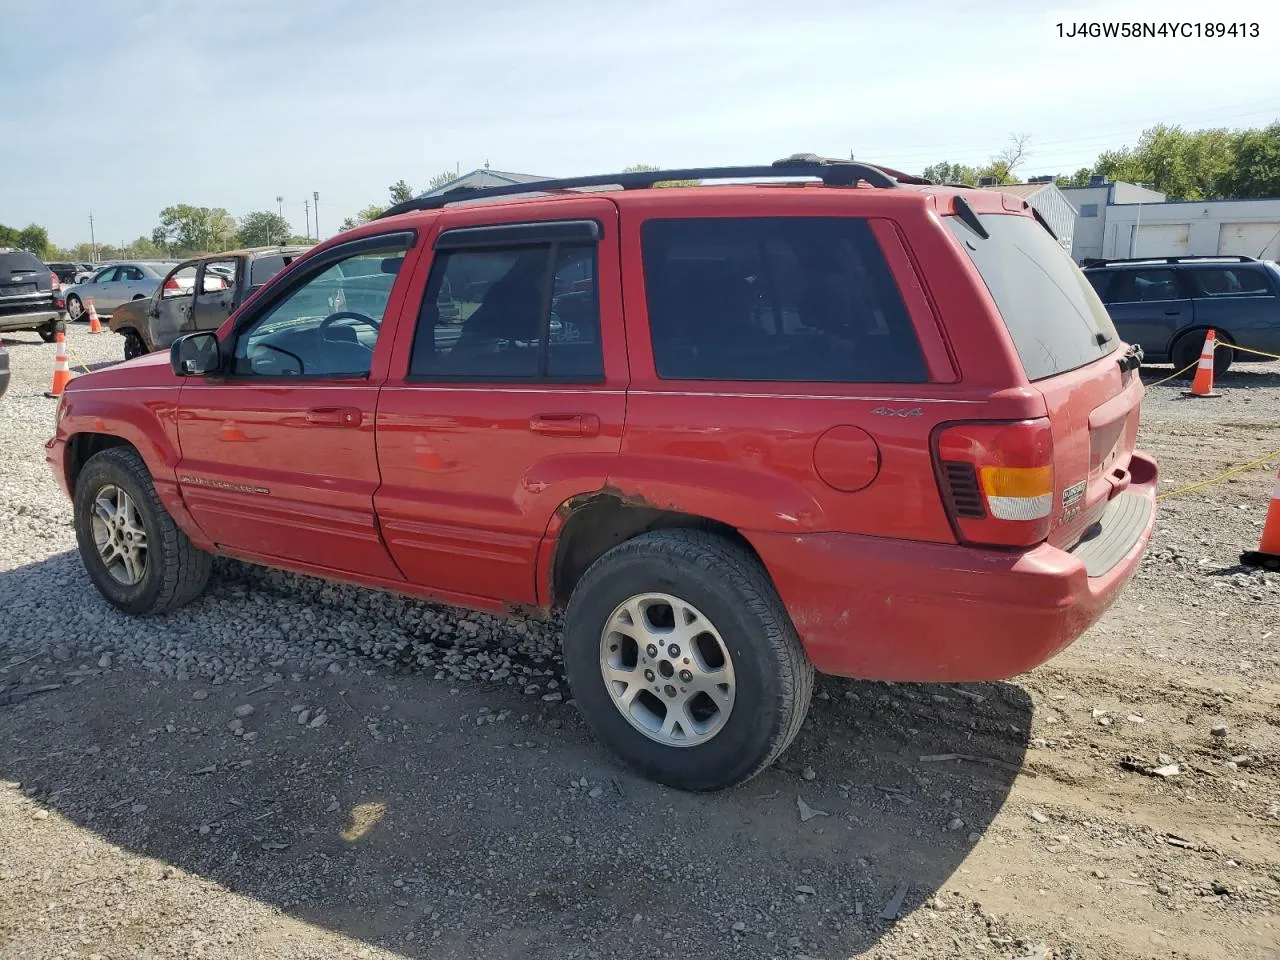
x=585, y=528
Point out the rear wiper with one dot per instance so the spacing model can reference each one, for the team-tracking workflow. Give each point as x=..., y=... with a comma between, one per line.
x=1102, y=338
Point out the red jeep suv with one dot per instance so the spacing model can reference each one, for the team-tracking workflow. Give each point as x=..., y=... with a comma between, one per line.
x=840, y=419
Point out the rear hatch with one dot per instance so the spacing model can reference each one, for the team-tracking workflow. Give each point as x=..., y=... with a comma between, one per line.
x=1072, y=354
x=25, y=283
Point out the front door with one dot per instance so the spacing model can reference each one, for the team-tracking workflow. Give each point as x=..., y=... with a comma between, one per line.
x=507, y=399
x=169, y=315
x=278, y=457
x=216, y=284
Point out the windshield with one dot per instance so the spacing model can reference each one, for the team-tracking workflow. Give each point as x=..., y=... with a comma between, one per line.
x=1051, y=311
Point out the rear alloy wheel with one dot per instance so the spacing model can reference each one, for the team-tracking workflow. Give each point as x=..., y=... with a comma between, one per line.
x=684, y=661
x=75, y=309
x=132, y=550
x=133, y=345
x=1186, y=351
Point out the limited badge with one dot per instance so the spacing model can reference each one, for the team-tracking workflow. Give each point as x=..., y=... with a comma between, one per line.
x=1072, y=494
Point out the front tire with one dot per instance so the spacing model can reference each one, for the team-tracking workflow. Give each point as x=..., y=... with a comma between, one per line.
x=133, y=345
x=132, y=550
x=684, y=661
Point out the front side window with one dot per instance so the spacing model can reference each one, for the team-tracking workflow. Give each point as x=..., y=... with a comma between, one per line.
x=775, y=299
x=519, y=312
x=130, y=273
x=1213, y=282
x=180, y=283
x=219, y=276
x=328, y=325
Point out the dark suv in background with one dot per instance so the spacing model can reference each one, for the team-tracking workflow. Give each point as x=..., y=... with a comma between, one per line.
x=30, y=295
x=1165, y=304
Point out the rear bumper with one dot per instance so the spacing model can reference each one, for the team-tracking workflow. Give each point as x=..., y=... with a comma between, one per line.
x=29, y=319
x=882, y=609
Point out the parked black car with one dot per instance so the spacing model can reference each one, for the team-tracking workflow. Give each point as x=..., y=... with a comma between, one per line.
x=65, y=272
x=30, y=298
x=1165, y=305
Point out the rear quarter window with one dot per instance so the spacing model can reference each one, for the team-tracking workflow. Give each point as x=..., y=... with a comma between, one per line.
x=778, y=299
x=1054, y=317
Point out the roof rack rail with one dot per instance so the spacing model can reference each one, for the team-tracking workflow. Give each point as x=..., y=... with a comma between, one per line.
x=1187, y=258
x=841, y=173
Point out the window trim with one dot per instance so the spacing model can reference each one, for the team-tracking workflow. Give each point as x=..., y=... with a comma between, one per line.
x=542, y=375
x=529, y=233
x=310, y=270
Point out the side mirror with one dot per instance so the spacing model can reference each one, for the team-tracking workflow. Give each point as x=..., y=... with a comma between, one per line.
x=196, y=354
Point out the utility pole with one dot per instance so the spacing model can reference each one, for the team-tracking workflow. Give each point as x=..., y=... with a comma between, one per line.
x=93, y=243
x=280, y=205
x=306, y=209
x=315, y=196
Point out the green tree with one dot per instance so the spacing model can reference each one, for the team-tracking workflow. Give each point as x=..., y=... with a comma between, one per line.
x=946, y=172
x=1256, y=169
x=440, y=179
x=651, y=168
x=400, y=192
x=262, y=228
x=367, y=215
x=34, y=239
x=1078, y=179
x=8, y=236
x=187, y=229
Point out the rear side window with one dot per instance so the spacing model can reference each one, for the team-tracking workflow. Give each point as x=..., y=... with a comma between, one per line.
x=1055, y=319
x=1207, y=282
x=775, y=299
x=1145, y=286
x=264, y=268
x=1100, y=280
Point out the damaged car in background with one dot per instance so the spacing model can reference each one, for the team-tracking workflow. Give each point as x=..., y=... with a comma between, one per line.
x=197, y=294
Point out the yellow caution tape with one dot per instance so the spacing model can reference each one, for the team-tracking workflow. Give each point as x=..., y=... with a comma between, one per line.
x=76, y=356
x=1230, y=473
x=1261, y=353
x=1178, y=374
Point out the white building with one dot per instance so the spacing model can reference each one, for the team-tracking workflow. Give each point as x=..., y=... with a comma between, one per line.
x=1044, y=196
x=1169, y=229
x=1118, y=220
x=1093, y=206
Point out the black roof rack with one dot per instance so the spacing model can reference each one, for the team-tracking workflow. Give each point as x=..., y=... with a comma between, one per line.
x=1189, y=258
x=831, y=172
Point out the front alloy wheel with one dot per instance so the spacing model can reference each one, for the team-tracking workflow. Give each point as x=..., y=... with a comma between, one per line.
x=667, y=669
x=119, y=535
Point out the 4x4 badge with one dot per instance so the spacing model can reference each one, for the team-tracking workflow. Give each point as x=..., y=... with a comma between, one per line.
x=896, y=411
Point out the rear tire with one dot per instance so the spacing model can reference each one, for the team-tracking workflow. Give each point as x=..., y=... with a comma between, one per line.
x=726, y=603
x=49, y=332
x=1186, y=351
x=173, y=572
x=75, y=309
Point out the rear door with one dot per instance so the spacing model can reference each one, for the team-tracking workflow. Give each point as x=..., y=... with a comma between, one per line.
x=1240, y=300
x=1070, y=351
x=488, y=424
x=1149, y=305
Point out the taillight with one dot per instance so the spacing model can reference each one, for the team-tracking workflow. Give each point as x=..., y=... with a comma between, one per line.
x=172, y=284
x=53, y=279
x=997, y=480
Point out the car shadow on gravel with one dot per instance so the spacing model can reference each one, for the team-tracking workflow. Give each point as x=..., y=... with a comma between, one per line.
x=457, y=819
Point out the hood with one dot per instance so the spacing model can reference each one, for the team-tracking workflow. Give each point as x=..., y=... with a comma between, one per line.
x=150, y=370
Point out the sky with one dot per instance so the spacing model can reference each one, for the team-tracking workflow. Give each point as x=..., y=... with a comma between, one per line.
x=122, y=107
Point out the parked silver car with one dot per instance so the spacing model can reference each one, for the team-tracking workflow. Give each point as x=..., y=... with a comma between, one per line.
x=116, y=284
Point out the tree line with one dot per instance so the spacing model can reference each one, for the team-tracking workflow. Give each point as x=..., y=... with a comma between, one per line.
x=1210, y=164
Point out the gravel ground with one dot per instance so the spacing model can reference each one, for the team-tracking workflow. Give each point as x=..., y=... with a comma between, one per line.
x=289, y=768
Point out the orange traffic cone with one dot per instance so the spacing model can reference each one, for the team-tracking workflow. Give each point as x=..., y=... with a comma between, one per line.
x=61, y=369
x=1202, y=385
x=1268, y=552
x=94, y=325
